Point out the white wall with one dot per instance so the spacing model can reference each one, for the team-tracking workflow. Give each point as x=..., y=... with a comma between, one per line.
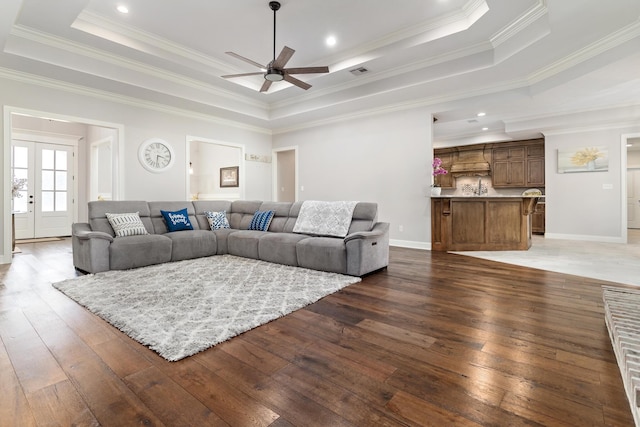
x=140, y=122
x=381, y=158
x=586, y=205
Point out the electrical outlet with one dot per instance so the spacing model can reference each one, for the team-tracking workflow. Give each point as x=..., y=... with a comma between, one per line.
x=401, y=228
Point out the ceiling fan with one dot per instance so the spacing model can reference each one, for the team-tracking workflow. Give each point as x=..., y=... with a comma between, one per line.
x=275, y=71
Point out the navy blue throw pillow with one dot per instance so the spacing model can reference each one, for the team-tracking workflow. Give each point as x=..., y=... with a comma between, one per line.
x=178, y=220
x=261, y=220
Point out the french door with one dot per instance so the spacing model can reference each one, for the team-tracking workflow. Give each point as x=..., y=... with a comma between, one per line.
x=43, y=206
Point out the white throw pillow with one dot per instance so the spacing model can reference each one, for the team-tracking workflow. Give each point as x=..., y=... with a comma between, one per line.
x=217, y=220
x=126, y=224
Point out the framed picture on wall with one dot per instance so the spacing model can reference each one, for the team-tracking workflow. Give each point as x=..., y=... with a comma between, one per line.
x=229, y=177
x=583, y=159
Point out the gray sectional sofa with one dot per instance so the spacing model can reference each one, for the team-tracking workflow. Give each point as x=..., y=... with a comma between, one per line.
x=95, y=247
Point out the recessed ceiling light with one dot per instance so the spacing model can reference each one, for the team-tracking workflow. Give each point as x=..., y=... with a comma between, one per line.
x=123, y=9
x=481, y=114
x=485, y=128
x=331, y=41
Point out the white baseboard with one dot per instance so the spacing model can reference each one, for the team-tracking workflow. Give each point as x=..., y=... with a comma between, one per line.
x=585, y=238
x=410, y=244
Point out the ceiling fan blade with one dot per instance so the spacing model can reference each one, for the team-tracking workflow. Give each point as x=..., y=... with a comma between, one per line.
x=283, y=58
x=306, y=70
x=297, y=82
x=242, y=58
x=230, y=76
x=266, y=85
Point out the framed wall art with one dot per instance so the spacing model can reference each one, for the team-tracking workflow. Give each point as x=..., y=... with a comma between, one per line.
x=229, y=177
x=585, y=159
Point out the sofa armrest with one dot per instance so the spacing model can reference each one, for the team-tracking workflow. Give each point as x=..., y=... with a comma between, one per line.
x=378, y=230
x=90, y=248
x=83, y=232
x=368, y=251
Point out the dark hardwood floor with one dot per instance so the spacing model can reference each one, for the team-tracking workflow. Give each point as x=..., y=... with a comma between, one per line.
x=436, y=339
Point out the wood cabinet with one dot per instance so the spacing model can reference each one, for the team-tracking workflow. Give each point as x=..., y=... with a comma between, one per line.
x=481, y=223
x=445, y=181
x=508, y=169
x=538, y=219
x=518, y=164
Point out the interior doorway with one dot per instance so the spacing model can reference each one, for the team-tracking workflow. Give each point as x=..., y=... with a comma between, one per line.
x=52, y=134
x=633, y=182
x=216, y=170
x=43, y=203
x=285, y=173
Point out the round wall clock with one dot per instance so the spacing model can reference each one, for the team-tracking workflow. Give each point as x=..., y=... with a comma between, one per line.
x=156, y=155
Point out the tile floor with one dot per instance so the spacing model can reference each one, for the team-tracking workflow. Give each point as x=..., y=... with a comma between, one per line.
x=613, y=262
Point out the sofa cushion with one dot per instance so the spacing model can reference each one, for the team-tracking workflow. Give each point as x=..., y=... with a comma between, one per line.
x=281, y=215
x=139, y=251
x=189, y=244
x=177, y=220
x=261, y=220
x=222, y=237
x=242, y=212
x=322, y=253
x=98, y=209
x=126, y=224
x=217, y=220
x=280, y=248
x=244, y=243
x=365, y=215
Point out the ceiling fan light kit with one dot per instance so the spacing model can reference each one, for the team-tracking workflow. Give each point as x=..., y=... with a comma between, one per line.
x=275, y=71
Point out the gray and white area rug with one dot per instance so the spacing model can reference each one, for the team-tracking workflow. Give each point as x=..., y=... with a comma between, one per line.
x=181, y=308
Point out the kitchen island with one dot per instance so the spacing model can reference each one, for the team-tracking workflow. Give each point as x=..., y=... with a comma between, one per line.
x=481, y=223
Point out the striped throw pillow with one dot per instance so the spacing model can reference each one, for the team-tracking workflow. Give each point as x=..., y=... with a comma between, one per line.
x=261, y=220
x=126, y=224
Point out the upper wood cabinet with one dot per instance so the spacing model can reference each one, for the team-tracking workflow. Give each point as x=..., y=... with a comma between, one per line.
x=446, y=181
x=518, y=164
x=513, y=164
x=508, y=168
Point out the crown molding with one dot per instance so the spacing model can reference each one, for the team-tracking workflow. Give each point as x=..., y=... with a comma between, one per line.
x=593, y=128
x=609, y=42
x=54, y=42
x=121, y=99
x=483, y=47
x=402, y=106
x=118, y=33
x=530, y=16
x=410, y=36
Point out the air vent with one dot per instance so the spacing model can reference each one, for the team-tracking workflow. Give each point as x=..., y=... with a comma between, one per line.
x=358, y=71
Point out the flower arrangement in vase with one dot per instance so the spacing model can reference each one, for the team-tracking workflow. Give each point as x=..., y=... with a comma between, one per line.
x=438, y=170
x=17, y=185
x=586, y=157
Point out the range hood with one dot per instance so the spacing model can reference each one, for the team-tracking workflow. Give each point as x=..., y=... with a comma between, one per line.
x=471, y=161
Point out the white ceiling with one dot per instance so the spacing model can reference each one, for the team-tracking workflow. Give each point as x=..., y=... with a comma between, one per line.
x=517, y=60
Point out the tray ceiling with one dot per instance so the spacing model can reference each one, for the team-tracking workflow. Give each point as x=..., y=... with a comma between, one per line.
x=515, y=59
